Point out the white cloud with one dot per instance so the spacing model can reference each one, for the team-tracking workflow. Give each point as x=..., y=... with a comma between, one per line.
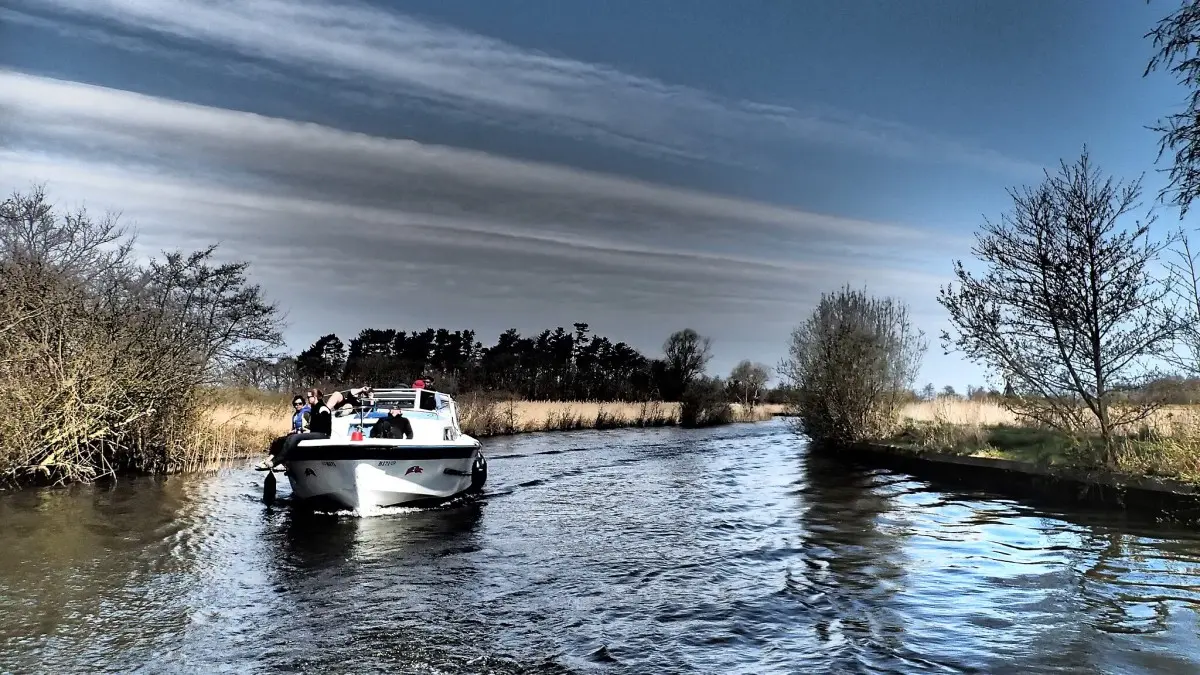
x=349, y=230
x=398, y=56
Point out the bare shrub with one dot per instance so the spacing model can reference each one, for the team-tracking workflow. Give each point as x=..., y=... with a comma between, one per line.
x=703, y=404
x=100, y=358
x=655, y=414
x=562, y=419
x=851, y=365
x=487, y=414
x=606, y=419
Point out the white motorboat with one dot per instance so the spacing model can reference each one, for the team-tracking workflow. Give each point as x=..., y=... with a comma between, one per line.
x=352, y=470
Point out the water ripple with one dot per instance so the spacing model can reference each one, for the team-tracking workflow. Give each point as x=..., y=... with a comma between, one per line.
x=728, y=550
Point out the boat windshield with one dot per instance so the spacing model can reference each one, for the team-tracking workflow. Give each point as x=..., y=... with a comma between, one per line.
x=412, y=399
x=393, y=403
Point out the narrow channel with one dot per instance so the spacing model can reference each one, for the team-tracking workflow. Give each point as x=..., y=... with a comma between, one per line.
x=728, y=550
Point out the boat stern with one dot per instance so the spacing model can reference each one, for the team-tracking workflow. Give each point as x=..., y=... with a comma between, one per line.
x=358, y=483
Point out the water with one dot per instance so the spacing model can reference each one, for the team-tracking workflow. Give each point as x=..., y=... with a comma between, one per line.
x=631, y=551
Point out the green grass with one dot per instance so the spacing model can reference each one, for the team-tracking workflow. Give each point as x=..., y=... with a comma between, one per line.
x=1026, y=444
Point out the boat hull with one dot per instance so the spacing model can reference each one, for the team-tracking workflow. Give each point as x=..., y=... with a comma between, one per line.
x=359, y=475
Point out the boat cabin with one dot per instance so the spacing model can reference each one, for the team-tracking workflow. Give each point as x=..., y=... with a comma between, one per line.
x=433, y=415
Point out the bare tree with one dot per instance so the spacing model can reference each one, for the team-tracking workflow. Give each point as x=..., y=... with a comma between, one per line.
x=1184, y=274
x=687, y=354
x=1068, y=309
x=747, y=381
x=75, y=244
x=218, y=314
x=852, y=365
x=1176, y=39
x=269, y=373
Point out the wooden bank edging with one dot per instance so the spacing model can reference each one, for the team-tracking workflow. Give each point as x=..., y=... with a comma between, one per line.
x=1161, y=497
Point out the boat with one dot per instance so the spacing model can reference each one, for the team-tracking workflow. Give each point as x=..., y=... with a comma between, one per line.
x=350, y=470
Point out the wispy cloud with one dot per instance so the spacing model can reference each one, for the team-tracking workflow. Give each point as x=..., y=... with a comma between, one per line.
x=396, y=56
x=349, y=230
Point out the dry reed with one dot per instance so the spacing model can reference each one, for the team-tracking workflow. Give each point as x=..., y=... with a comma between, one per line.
x=241, y=425
x=482, y=417
x=1169, y=421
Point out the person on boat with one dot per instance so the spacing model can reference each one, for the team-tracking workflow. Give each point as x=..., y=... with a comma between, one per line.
x=395, y=425
x=300, y=416
x=321, y=410
x=320, y=422
x=349, y=397
x=320, y=413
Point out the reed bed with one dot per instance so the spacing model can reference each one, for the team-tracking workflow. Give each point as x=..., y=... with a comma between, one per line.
x=956, y=411
x=241, y=425
x=1169, y=420
x=232, y=431
x=238, y=427
x=482, y=417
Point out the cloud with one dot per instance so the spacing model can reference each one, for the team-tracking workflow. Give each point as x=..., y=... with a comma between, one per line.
x=396, y=56
x=349, y=230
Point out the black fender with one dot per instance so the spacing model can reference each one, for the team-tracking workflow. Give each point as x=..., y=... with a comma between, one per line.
x=478, y=473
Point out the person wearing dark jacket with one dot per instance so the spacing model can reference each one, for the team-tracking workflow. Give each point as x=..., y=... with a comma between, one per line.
x=320, y=423
x=395, y=425
x=320, y=416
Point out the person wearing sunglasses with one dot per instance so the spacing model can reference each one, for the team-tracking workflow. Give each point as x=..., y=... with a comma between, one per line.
x=318, y=421
x=301, y=413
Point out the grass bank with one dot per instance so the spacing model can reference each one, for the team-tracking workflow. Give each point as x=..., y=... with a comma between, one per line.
x=1167, y=445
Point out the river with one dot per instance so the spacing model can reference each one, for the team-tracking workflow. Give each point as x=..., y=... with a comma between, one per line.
x=729, y=550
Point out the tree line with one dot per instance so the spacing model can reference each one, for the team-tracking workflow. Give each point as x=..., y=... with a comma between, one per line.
x=1170, y=390
x=556, y=364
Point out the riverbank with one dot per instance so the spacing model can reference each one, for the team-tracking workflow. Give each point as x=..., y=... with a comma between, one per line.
x=1156, y=466
x=235, y=424
x=1166, y=445
x=242, y=423
x=484, y=418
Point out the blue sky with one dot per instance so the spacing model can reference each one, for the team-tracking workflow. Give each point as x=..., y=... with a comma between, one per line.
x=641, y=166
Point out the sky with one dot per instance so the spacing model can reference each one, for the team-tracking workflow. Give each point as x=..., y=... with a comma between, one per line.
x=639, y=166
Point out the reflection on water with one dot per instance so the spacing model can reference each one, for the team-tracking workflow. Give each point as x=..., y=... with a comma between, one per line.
x=719, y=551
